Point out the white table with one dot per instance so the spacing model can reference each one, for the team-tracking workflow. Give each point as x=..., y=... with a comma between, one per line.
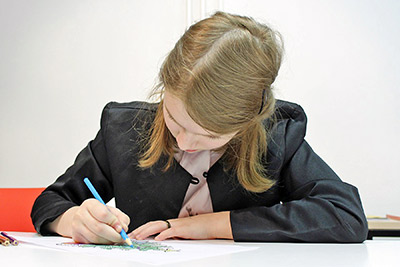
x=382, y=252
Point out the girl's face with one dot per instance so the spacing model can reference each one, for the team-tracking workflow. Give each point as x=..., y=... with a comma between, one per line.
x=189, y=136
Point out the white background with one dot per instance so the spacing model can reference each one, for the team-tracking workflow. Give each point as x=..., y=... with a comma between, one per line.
x=62, y=61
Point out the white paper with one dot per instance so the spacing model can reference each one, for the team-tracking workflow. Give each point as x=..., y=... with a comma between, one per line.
x=184, y=250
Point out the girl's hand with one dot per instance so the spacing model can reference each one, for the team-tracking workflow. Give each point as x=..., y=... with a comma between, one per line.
x=204, y=226
x=92, y=222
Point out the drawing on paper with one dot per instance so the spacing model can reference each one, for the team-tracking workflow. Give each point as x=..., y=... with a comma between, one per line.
x=137, y=245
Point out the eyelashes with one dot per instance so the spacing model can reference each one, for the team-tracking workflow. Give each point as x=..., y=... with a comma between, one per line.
x=213, y=137
x=169, y=116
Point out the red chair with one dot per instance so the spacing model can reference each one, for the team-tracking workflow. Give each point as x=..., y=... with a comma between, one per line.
x=15, y=208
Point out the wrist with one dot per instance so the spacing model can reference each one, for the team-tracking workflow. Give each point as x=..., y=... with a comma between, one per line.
x=63, y=224
x=221, y=226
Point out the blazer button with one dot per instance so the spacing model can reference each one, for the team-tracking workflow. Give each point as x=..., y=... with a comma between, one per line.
x=205, y=174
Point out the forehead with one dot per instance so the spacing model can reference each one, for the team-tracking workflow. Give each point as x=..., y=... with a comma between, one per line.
x=176, y=109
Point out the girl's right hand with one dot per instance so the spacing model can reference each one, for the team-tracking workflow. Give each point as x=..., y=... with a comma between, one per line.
x=92, y=222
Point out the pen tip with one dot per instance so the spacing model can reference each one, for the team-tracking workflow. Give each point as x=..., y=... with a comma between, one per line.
x=129, y=242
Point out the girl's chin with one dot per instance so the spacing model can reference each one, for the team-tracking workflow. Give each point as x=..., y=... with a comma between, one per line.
x=191, y=150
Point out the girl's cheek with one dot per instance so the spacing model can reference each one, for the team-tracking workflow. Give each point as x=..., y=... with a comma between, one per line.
x=172, y=128
x=213, y=144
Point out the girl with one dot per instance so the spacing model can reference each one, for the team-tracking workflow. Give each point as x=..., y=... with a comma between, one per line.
x=217, y=157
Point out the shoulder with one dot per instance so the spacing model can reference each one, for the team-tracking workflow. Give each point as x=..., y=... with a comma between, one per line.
x=130, y=107
x=288, y=111
x=121, y=117
x=286, y=129
x=288, y=118
x=119, y=112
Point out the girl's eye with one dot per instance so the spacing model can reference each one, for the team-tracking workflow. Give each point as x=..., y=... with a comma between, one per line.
x=170, y=117
x=213, y=137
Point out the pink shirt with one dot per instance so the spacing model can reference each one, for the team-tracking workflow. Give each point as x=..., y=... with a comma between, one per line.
x=197, y=199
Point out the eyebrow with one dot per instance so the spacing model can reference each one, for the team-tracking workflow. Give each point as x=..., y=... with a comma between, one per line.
x=172, y=118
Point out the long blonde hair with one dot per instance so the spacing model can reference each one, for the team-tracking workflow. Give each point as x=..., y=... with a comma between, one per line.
x=222, y=69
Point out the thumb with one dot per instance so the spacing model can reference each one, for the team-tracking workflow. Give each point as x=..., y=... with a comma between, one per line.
x=116, y=224
x=122, y=219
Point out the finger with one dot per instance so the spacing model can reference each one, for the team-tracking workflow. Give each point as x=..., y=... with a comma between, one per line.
x=104, y=215
x=77, y=229
x=149, y=229
x=86, y=236
x=98, y=230
x=79, y=238
x=122, y=217
x=81, y=234
x=169, y=233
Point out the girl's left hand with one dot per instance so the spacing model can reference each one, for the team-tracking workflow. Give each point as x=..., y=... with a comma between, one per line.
x=204, y=226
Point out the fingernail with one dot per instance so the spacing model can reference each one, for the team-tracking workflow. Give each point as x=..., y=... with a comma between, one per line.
x=118, y=228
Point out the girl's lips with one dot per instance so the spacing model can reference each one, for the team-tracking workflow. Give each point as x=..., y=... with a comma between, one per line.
x=191, y=150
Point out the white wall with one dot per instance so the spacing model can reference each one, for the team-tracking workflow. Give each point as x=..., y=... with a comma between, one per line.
x=343, y=66
x=62, y=61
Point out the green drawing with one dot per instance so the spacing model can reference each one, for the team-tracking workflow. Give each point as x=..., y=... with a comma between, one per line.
x=138, y=245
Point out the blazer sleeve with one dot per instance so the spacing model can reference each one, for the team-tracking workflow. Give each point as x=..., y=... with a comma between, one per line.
x=69, y=189
x=316, y=206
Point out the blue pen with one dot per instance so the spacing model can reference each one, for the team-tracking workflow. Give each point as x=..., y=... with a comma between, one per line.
x=97, y=196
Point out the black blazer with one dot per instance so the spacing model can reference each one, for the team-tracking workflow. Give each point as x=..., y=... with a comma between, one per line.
x=309, y=203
